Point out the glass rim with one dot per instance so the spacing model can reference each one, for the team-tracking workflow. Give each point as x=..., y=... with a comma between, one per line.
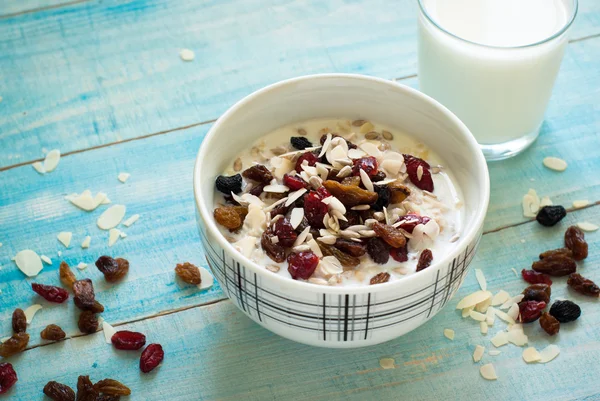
x=561, y=31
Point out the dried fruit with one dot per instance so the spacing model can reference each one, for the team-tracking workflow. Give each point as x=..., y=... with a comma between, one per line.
x=59, y=392
x=350, y=195
x=314, y=208
x=275, y=251
x=300, y=142
x=549, y=323
x=351, y=180
x=258, y=173
x=231, y=217
x=398, y=192
x=399, y=254
x=97, y=307
x=189, y=273
x=389, y=234
x=411, y=220
x=345, y=259
x=565, y=311
x=353, y=218
x=350, y=247
x=8, y=377
x=368, y=164
x=378, y=250
x=583, y=285
x=113, y=269
x=294, y=182
x=530, y=311
x=310, y=158
x=575, y=241
x=66, y=275
x=128, y=340
x=256, y=190
x=419, y=172
x=424, y=260
x=285, y=232
x=19, y=321
x=227, y=185
x=555, y=263
x=51, y=293
x=550, y=215
x=533, y=277
x=88, y=322
x=85, y=389
x=302, y=264
x=152, y=356
x=537, y=292
x=379, y=278
x=379, y=176
x=15, y=344
x=557, y=252
x=106, y=397
x=384, y=195
x=84, y=296
x=112, y=387
x=53, y=332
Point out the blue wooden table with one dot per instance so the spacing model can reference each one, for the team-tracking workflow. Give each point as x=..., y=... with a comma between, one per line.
x=102, y=81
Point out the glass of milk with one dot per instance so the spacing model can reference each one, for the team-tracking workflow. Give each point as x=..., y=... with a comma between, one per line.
x=493, y=63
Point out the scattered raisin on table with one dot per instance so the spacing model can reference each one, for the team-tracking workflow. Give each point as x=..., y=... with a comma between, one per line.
x=575, y=241
x=379, y=278
x=112, y=387
x=537, y=292
x=66, y=275
x=96, y=307
x=84, y=295
x=565, y=311
x=300, y=142
x=350, y=195
x=19, y=321
x=107, y=397
x=258, y=173
x=555, y=263
x=85, y=389
x=345, y=259
x=533, y=277
x=88, y=322
x=389, y=234
x=113, y=269
x=302, y=264
x=275, y=251
x=15, y=344
x=530, y=311
x=378, y=250
x=227, y=185
x=128, y=340
x=563, y=252
x=352, y=248
x=51, y=293
x=8, y=377
x=412, y=168
x=151, y=357
x=59, y=392
x=583, y=285
x=399, y=254
x=189, y=273
x=424, y=259
x=549, y=323
x=52, y=332
x=550, y=215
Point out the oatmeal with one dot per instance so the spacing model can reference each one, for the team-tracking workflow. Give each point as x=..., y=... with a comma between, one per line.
x=338, y=202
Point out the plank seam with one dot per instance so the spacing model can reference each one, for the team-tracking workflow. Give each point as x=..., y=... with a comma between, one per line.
x=45, y=8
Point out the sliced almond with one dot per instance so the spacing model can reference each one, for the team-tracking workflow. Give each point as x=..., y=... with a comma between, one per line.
x=123, y=177
x=481, y=279
x=108, y=331
x=513, y=311
x=478, y=353
x=39, y=167
x=480, y=317
x=517, y=337
x=466, y=312
x=296, y=216
x=449, y=334
x=494, y=352
x=46, y=259
x=488, y=372
x=473, y=299
x=113, y=235
x=483, y=327
x=387, y=363
x=294, y=196
x=500, y=297
x=500, y=339
x=586, y=226
x=51, y=161
x=554, y=163
x=65, y=238
x=111, y=217
x=86, y=242
x=549, y=353
x=577, y=204
x=207, y=280
x=31, y=311
x=29, y=262
x=531, y=355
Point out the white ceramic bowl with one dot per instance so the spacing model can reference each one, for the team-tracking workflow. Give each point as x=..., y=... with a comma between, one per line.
x=340, y=317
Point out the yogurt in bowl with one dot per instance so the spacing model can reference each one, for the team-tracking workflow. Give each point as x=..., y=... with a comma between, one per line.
x=350, y=304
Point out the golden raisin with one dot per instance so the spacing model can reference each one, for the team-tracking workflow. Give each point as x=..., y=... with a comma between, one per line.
x=549, y=323
x=424, y=260
x=350, y=195
x=112, y=387
x=575, y=241
x=85, y=389
x=52, y=332
x=96, y=307
x=345, y=259
x=537, y=292
x=113, y=269
x=353, y=180
x=88, y=322
x=17, y=343
x=258, y=173
x=19, y=321
x=382, y=277
x=557, y=262
x=188, y=273
x=583, y=285
x=398, y=192
x=231, y=217
x=389, y=234
x=66, y=275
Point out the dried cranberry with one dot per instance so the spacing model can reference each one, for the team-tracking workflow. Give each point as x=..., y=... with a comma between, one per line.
x=302, y=264
x=128, y=340
x=399, y=254
x=411, y=220
x=314, y=209
x=311, y=158
x=294, y=182
x=152, y=356
x=300, y=142
x=368, y=164
x=51, y=293
x=285, y=232
x=8, y=377
x=533, y=277
x=412, y=168
x=227, y=185
x=530, y=311
x=378, y=250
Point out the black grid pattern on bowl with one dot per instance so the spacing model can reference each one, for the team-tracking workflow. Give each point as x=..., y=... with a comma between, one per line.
x=333, y=317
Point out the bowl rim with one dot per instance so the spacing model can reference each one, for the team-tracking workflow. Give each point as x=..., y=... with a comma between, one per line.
x=465, y=239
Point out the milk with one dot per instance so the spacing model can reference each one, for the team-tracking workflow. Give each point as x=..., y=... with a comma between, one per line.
x=500, y=84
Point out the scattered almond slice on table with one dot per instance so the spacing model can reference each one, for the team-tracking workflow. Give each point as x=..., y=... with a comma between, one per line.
x=123, y=177
x=65, y=238
x=187, y=55
x=449, y=334
x=85, y=200
x=586, y=226
x=554, y=163
x=387, y=363
x=31, y=311
x=111, y=217
x=109, y=331
x=46, y=259
x=206, y=277
x=86, y=242
x=531, y=203
x=531, y=355
x=488, y=372
x=494, y=352
x=478, y=353
x=39, y=167
x=29, y=262
x=131, y=220
x=113, y=235
x=577, y=204
x=549, y=353
x=82, y=265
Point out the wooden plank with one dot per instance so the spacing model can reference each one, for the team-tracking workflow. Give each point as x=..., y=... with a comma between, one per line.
x=215, y=352
x=90, y=74
x=12, y=8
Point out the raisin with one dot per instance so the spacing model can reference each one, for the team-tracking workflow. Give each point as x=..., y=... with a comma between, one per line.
x=8, y=377
x=281, y=209
x=294, y=182
x=368, y=164
x=379, y=278
x=128, y=340
x=315, y=209
x=152, y=356
x=96, y=307
x=256, y=190
x=300, y=142
x=112, y=387
x=227, y=185
x=351, y=195
x=231, y=217
x=285, y=232
x=106, y=397
x=275, y=251
x=410, y=221
x=537, y=292
x=550, y=215
x=530, y=311
x=533, y=277
x=399, y=254
x=113, y=269
x=383, y=197
x=345, y=259
x=258, y=173
x=583, y=285
x=566, y=252
x=389, y=234
x=565, y=311
x=59, y=392
x=379, y=176
x=302, y=264
x=66, y=275
x=549, y=323
x=51, y=293
x=310, y=158
x=424, y=260
x=378, y=250
x=353, y=248
x=353, y=218
x=19, y=321
x=85, y=389
x=52, y=332
x=84, y=296
x=189, y=273
x=15, y=344
x=353, y=181
x=303, y=224
x=88, y=322
x=555, y=263
x=398, y=192
x=575, y=241
x=412, y=168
